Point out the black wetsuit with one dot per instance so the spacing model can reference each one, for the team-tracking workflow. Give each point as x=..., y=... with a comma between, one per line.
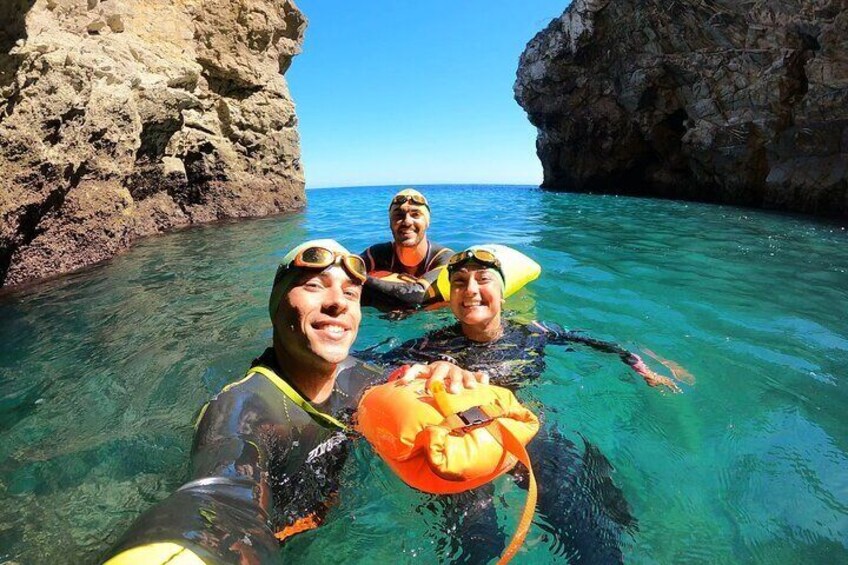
x=514, y=359
x=420, y=290
x=579, y=506
x=260, y=464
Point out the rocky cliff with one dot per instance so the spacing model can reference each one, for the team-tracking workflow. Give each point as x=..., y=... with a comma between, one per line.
x=120, y=119
x=736, y=101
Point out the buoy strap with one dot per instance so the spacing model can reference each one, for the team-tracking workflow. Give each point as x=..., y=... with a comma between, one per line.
x=321, y=418
x=472, y=418
x=481, y=416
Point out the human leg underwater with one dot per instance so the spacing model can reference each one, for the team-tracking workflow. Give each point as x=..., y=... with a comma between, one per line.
x=579, y=505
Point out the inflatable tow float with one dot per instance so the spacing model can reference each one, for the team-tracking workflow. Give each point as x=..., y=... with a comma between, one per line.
x=444, y=443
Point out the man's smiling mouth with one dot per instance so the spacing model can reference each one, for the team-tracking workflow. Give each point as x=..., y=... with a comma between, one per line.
x=332, y=330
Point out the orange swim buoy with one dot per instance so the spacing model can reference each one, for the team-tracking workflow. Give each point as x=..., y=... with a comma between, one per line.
x=448, y=443
x=444, y=443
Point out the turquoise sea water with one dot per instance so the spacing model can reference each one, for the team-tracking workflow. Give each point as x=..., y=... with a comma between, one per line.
x=102, y=372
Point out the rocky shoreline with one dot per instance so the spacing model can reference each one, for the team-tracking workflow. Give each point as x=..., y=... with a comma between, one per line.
x=739, y=102
x=121, y=119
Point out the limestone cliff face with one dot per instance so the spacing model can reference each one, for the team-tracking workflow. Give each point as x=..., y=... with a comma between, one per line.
x=120, y=119
x=737, y=101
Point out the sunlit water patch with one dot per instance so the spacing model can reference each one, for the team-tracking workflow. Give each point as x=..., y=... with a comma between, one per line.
x=103, y=371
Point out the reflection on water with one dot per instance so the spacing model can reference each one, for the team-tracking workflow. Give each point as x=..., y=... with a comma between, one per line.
x=101, y=374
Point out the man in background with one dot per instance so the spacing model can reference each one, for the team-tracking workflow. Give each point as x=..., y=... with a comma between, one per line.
x=414, y=260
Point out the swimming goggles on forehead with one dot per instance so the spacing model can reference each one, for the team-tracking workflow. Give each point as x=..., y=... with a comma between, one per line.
x=402, y=199
x=321, y=258
x=481, y=256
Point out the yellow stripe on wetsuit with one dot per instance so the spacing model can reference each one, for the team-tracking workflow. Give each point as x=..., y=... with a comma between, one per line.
x=157, y=554
x=324, y=419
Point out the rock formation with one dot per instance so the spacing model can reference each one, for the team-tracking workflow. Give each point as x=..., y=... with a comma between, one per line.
x=120, y=119
x=736, y=101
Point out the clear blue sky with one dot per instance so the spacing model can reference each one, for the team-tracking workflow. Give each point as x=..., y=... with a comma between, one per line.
x=403, y=92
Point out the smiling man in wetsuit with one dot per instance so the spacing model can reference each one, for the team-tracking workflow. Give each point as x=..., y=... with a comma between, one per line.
x=269, y=447
x=411, y=255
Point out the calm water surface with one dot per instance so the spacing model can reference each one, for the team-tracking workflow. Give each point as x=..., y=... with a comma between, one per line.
x=102, y=372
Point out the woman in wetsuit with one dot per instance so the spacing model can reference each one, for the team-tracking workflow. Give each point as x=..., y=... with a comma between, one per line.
x=511, y=353
x=580, y=506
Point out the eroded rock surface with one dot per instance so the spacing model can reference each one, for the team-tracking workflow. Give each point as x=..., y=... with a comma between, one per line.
x=120, y=119
x=743, y=102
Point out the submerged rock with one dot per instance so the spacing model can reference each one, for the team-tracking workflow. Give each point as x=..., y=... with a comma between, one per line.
x=120, y=119
x=743, y=102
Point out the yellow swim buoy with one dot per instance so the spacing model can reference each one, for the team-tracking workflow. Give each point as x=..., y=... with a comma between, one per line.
x=518, y=269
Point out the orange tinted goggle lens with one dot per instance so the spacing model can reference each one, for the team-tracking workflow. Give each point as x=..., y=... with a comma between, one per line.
x=317, y=257
x=478, y=254
x=356, y=266
x=320, y=258
x=482, y=256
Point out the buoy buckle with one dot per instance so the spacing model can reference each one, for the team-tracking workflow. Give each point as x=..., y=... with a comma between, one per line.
x=474, y=417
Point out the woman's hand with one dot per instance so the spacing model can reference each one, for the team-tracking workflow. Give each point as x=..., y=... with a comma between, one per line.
x=455, y=379
x=655, y=379
x=652, y=378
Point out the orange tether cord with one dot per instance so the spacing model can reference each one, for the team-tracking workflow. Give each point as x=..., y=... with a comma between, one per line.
x=514, y=447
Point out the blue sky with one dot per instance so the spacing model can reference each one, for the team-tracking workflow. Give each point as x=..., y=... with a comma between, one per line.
x=403, y=92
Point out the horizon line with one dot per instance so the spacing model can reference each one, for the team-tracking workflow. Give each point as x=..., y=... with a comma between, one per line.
x=413, y=185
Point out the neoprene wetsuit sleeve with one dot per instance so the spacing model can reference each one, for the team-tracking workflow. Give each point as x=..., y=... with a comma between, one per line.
x=560, y=336
x=369, y=260
x=408, y=294
x=222, y=515
x=405, y=294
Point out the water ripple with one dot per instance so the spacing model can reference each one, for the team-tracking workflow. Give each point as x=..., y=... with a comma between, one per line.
x=102, y=372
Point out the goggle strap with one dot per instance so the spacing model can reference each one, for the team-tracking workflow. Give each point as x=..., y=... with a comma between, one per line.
x=401, y=200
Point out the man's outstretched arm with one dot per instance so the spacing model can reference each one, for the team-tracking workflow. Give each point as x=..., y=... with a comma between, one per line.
x=222, y=514
x=407, y=294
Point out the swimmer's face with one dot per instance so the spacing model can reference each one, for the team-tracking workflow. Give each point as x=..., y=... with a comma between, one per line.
x=476, y=295
x=318, y=318
x=409, y=223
